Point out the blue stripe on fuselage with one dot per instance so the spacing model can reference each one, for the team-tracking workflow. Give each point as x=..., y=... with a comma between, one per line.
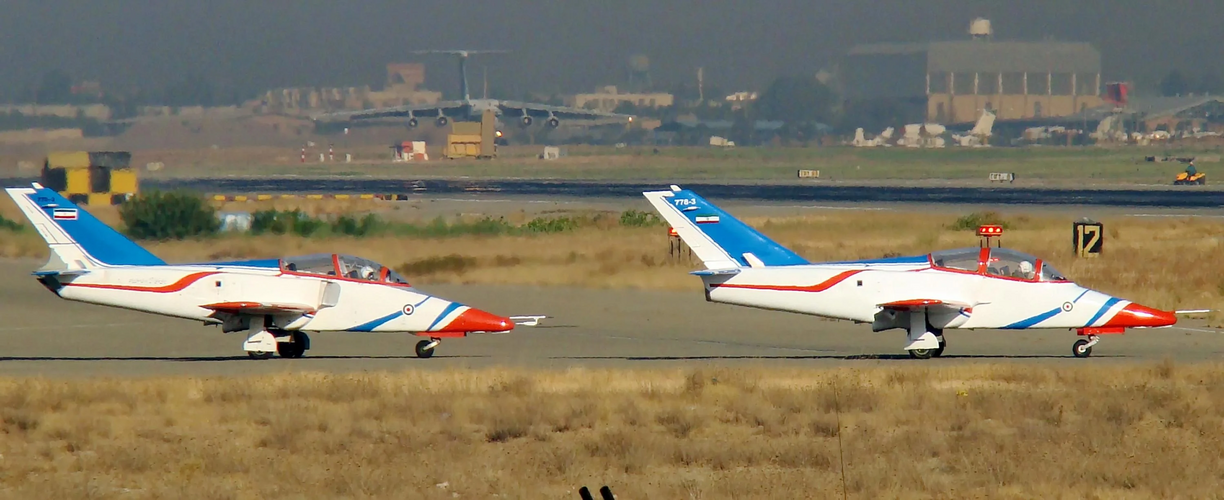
x=1108, y=304
x=449, y=309
x=1029, y=322
x=370, y=326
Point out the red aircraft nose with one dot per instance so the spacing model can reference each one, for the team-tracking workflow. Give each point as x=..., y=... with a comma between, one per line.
x=1135, y=315
x=475, y=320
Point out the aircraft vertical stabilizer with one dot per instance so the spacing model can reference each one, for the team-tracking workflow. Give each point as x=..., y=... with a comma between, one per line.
x=77, y=239
x=718, y=239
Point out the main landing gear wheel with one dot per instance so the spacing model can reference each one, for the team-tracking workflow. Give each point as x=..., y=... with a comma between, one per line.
x=922, y=353
x=939, y=351
x=1081, y=349
x=260, y=355
x=294, y=349
x=425, y=348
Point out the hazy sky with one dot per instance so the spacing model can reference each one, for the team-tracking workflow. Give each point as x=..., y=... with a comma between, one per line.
x=559, y=45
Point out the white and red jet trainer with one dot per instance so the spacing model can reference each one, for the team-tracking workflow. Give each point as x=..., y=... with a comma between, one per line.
x=277, y=301
x=967, y=288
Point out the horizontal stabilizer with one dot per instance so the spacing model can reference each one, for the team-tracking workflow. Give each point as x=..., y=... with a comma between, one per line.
x=527, y=320
x=716, y=272
x=258, y=308
x=69, y=272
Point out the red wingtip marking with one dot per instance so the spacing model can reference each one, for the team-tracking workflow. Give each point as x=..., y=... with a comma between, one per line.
x=913, y=303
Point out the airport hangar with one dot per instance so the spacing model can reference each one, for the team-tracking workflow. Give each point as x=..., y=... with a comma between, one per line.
x=951, y=82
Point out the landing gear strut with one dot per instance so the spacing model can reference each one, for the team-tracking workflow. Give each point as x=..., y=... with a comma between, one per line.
x=1083, y=348
x=425, y=348
x=924, y=341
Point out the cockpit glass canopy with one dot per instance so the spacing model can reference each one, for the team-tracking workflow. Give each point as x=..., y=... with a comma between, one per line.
x=964, y=259
x=344, y=266
x=1011, y=264
x=1002, y=262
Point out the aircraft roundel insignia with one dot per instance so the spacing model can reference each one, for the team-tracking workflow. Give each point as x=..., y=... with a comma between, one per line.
x=1067, y=306
x=408, y=310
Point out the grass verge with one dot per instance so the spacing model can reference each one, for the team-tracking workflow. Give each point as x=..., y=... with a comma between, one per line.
x=965, y=431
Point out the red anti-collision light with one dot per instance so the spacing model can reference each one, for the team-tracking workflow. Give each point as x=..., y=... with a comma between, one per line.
x=990, y=230
x=671, y=231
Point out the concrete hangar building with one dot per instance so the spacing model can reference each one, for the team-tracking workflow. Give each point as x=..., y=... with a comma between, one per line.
x=953, y=81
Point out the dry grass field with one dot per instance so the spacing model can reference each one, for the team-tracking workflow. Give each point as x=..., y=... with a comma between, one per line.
x=953, y=431
x=1036, y=166
x=1163, y=262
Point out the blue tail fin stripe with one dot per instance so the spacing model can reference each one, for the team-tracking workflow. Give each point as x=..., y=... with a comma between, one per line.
x=100, y=241
x=735, y=237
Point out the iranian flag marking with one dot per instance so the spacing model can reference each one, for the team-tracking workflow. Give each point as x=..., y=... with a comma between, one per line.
x=707, y=219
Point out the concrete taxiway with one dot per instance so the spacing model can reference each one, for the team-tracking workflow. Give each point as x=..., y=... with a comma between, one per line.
x=43, y=335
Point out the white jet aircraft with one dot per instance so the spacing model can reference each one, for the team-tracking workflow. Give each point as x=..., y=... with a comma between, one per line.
x=966, y=288
x=276, y=300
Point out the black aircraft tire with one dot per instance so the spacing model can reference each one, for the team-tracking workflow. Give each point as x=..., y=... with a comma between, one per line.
x=940, y=350
x=422, y=352
x=295, y=349
x=1080, y=349
x=921, y=353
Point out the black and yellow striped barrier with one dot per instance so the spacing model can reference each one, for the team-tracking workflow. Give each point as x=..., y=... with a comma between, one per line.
x=90, y=178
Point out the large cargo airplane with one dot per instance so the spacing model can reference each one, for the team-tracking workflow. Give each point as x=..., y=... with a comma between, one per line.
x=467, y=108
x=967, y=288
x=276, y=301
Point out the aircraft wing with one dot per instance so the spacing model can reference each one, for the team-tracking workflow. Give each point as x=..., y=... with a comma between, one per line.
x=519, y=108
x=447, y=108
x=258, y=308
x=915, y=304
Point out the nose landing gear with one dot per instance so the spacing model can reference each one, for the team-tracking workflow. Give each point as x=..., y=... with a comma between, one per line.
x=425, y=348
x=1083, y=348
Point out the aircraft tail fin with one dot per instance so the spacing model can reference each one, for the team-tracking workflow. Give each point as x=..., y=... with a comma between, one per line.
x=76, y=238
x=718, y=239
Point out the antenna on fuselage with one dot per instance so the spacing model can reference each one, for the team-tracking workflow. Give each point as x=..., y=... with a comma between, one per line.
x=987, y=232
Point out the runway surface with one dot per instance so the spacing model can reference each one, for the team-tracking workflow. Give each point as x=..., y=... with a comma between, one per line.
x=1187, y=198
x=41, y=334
x=1156, y=197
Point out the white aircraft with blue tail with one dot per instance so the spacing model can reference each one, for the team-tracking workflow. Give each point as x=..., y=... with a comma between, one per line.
x=276, y=301
x=968, y=288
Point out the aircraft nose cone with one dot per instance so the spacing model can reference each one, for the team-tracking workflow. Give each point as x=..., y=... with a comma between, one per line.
x=475, y=320
x=1135, y=315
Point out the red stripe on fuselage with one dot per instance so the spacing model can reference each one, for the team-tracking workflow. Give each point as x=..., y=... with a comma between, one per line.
x=177, y=286
x=819, y=287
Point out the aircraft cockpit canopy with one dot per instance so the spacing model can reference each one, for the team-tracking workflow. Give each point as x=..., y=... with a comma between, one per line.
x=344, y=266
x=1003, y=262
